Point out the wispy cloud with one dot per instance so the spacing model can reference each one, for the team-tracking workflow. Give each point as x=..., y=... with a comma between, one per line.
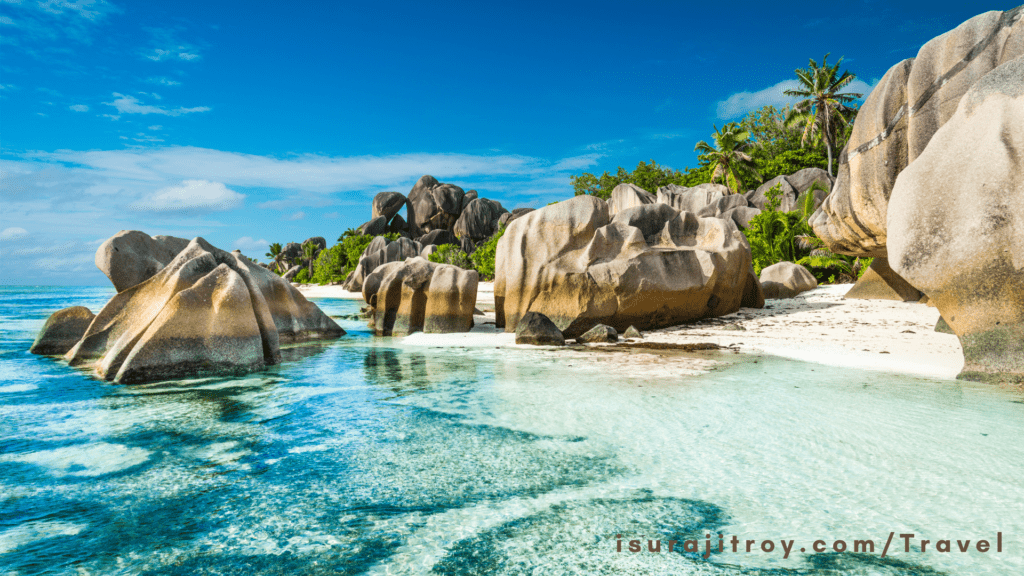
x=79, y=108
x=127, y=104
x=249, y=244
x=13, y=233
x=47, y=20
x=296, y=216
x=163, y=81
x=166, y=45
x=190, y=196
x=742, y=102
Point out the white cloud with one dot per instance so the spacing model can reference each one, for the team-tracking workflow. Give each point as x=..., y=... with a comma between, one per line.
x=187, y=56
x=191, y=195
x=163, y=81
x=296, y=216
x=155, y=127
x=13, y=233
x=79, y=107
x=742, y=102
x=332, y=215
x=132, y=105
x=247, y=243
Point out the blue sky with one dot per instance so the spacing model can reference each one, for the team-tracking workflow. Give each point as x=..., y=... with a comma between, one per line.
x=256, y=122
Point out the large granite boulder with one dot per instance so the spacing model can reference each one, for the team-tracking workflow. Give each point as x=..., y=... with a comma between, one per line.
x=378, y=252
x=418, y=295
x=956, y=222
x=787, y=201
x=880, y=282
x=207, y=311
x=292, y=251
x=62, y=330
x=898, y=120
x=319, y=241
x=629, y=196
x=438, y=238
x=387, y=204
x=374, y=227
x=433, y=205
x=786, y=280
x=537, y=329
x=692, y=199
x=398, y=225
x=479, y=219
x=510, y=216
x=131, y=257
x=651, y=266
x=802, y=180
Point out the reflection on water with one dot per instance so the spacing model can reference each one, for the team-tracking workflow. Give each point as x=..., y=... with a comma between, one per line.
x=364, y=456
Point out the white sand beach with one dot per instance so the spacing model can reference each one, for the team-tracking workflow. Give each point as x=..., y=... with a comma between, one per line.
x=818, y=326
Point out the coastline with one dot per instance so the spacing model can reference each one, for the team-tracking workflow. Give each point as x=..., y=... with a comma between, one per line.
x=818, y=326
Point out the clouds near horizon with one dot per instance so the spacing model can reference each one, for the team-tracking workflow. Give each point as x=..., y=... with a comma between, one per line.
x=741, y=103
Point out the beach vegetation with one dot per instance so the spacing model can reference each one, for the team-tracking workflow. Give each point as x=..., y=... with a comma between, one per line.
x=825, y=111
x=484, y=255
x=451, y=254
x=329, y=265
x=302, y=277
x=277, y=259
x=732, y=165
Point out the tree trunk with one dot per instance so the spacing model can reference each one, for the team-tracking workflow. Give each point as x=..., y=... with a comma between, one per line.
x=829, y=147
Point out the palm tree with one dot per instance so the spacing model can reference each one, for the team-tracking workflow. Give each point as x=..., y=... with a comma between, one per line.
x=309, y=251
x=276, y=255
x=730, y=161
x=824, y=110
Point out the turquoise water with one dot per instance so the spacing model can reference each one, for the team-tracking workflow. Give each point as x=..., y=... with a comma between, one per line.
x=370, y=456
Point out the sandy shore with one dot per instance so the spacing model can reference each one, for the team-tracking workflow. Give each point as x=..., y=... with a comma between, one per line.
x=484, y=293
x=818, y=326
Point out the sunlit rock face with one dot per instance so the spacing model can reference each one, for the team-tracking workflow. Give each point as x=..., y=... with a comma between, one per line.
x=899, y=119
x=420, y=296
x=130, y=257
x=956, y=223
x=650, y=266
x=62, y=330
x=207, y=311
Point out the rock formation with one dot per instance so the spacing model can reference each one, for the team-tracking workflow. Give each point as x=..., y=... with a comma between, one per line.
x=207, y=311
x=130, y=256
x=433, y=205
x=629, y=196
x=62, y=330
x=931, y=179
x=691, y=199
x=417, y=295
x=956, y=223
x=599, y=334
x=537, y=329
x=786, y=280
x=387, y=204
x=378, y=252
x=650, y=266
x=479, y=219
x=880, y=282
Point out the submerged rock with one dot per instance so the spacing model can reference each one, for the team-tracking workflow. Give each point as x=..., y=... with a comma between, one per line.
x=786, y=280
x=418, y=295
x=538, y=330
x=651, y=266
x=62, y=330
x=207, y=311
x=632, y=332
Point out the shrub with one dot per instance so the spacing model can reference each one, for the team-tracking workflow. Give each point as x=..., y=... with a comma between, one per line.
x=302, y=277
x=353, y=246
x=329, y=266
x=451, y=254
x=483, y=257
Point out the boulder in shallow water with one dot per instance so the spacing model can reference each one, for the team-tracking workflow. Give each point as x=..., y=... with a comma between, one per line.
x=599, y=334
x=651, y=266
x=632, y=333
x=62, y=330
x=130, y=257
x=380, y=251
x=537, y=329
x=418, y=295
x=206, y=312
x=786, y=280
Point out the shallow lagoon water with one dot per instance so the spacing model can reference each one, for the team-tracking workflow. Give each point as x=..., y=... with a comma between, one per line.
x=368, y=456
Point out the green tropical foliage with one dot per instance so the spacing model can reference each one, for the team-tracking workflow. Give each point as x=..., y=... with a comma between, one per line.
x=451, y=254
x=329, y=265
x=302, y=277
x=484, y=255
x=650, y=177
x=277, y=259
x=731, y=163
x=825, y=111
x=309, y=251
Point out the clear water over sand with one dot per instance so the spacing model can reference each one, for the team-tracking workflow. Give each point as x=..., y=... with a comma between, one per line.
x=363, y=456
